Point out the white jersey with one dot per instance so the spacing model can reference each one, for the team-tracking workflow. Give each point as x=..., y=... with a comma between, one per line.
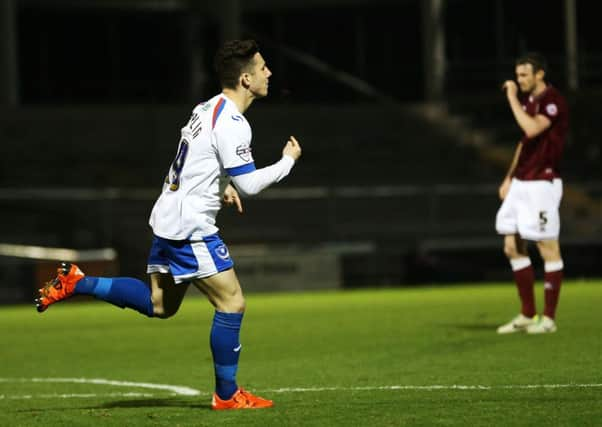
x=215, y=145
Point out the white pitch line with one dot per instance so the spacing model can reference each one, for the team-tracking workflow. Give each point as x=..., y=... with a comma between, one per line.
x=432, y=387
x=176, y=389
x=72, y=396
x=187, y=391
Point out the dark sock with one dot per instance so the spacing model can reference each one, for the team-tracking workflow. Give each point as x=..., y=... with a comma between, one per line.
x=225, y=347
x=525, y=281
x=552, y=284
x=120, y=291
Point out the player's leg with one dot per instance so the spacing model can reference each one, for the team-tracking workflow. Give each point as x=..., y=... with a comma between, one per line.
x=507, y=223
x=515, y=249
x=120, y=291
x=225, y=294
x=162, y=298
x=553, y=273
x=223, y=291
x=542, y=224
x=166, y=295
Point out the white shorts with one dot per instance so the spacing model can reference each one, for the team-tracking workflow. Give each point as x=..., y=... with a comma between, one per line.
x=187, y=260
x=531, y=210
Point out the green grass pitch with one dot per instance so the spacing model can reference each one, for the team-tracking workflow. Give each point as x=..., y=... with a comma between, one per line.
x=383, y=357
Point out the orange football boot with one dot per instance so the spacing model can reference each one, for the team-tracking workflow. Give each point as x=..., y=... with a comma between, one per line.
x=240, y=400
x=61, y=287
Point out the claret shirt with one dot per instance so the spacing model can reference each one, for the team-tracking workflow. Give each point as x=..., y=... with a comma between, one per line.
x=540, y=156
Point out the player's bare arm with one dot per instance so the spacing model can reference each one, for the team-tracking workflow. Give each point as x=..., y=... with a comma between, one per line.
x=505, y=186
x=503, y=190
x=532, y=126
x=231, y=198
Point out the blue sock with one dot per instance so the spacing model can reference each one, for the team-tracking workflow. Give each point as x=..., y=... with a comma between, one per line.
x=225, y=347
x=120, y=291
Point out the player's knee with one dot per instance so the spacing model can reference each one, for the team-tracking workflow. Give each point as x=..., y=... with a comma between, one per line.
x=240, y=306
x=510, y=250
x=237, y=306
x=234, y=304
x=549, y=251
x=161, y=311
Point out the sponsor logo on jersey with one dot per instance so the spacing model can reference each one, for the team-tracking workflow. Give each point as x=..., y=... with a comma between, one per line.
x=222, y=252
x=244, y=152
x=237, y=118
x=552, y=109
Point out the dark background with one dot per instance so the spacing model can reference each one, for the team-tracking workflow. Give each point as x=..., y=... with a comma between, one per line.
x=96, y=52
x=104, y=86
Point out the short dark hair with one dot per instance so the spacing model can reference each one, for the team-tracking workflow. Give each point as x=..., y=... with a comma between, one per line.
x=231, y=60
x=537, y=61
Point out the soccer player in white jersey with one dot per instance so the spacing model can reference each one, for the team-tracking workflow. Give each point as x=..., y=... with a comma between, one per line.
x=214, y=150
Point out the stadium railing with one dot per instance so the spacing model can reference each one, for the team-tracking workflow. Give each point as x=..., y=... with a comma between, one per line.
x=376, y=234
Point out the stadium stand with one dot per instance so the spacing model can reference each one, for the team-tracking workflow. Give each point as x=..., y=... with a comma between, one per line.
x=382, y=175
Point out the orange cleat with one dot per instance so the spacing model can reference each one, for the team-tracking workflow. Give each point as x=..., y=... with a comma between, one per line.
x=241, y=400
x=61, y=287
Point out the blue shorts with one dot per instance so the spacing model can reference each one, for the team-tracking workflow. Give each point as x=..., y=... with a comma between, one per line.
x=187, y=260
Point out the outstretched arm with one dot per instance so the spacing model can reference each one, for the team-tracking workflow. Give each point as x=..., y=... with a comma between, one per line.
x=253, y=182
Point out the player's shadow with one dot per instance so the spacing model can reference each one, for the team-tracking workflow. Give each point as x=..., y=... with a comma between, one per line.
x=472, y=326
x=142, y=403
x=155, y=403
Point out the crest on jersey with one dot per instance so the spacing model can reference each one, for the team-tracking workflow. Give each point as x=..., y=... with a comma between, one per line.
x=244, y=152
x=552, y=109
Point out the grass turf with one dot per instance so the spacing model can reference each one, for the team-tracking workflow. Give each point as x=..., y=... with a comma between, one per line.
x=326, y=358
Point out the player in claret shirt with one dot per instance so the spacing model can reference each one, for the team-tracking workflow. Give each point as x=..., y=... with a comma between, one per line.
x=214, y=150
x=532, y=190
